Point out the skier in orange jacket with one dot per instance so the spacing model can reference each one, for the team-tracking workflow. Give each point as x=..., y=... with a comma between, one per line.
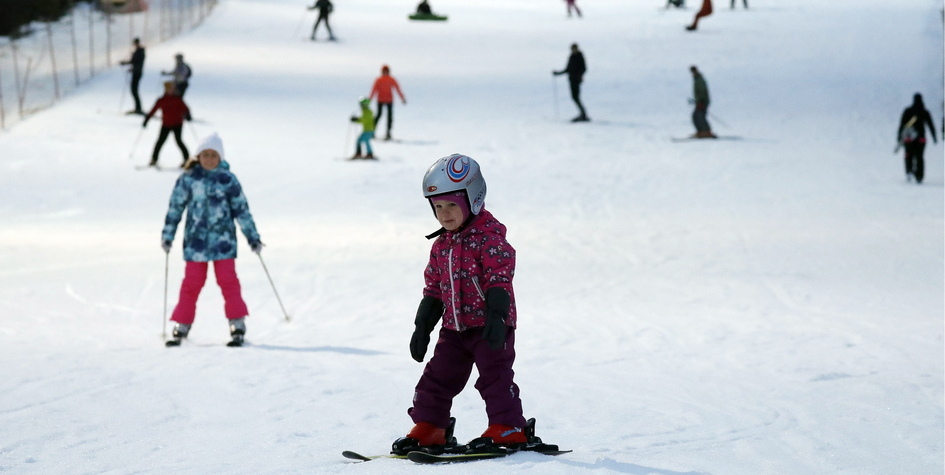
x=384, y=87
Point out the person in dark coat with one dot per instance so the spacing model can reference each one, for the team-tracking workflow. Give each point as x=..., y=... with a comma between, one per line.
x=911, y=135
x=575, y=70
x=700, y=98
x=324, y=8
x=137, y=70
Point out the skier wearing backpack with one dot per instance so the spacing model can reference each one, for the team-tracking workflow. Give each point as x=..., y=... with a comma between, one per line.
x=181, y=74
x=468, y=285
x=213, y=199
x=911, y=135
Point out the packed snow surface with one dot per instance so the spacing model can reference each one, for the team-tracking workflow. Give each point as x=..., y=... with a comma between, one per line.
x=769, y=304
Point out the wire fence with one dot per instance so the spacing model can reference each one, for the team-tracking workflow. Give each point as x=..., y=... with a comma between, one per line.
x=57, y=57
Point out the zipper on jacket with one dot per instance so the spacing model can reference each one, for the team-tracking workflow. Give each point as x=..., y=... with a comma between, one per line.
x=453, y=292
x=475, y=281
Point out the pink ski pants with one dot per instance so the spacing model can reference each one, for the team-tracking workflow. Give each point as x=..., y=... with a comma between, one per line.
x=195, y=275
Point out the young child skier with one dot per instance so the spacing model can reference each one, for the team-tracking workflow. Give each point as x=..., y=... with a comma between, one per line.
x=367, y=132
x=213, y=198
x=468, y=282
x=173, y=114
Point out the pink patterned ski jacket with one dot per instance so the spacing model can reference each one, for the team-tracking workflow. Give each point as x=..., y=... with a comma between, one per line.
x=464, y=264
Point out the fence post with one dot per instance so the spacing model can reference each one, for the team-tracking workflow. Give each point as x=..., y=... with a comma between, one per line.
x=75, y=50
x=52, y=59
x=91, y=43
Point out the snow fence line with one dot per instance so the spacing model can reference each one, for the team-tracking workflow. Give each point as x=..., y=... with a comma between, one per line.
x=55, y=57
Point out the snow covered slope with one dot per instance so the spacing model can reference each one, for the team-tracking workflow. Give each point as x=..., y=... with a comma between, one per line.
x=768, y=305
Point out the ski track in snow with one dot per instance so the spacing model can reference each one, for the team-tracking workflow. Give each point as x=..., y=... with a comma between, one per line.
x=769, y=305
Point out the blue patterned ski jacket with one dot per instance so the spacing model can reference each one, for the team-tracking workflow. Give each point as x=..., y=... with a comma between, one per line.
x=213, y=200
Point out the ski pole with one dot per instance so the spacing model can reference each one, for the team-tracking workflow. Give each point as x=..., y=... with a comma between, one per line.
x=554, y=87
x=287, y=318
x=713, y=116
x=134, y=146
x=193, y=131
x=121, y=103
x=167, y=259
x=347, y=138
x=298, y=27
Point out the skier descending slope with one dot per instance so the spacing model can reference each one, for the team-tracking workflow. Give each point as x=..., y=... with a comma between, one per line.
x=911, y=135
x=213, y=198
x=468, y=283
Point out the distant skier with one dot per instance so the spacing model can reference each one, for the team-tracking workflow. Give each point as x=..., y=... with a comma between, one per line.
x=705, y=11
x=468, y=286
x=324, y=8
x=367, y=130
x=571, y=5
x=181, y=74
x=173, y=114
x=575, y=70
x=424, y=8
x=700, y=94
x=213, y=199
x=383, y=90
x=137, y=70
x=744, y=2
x=911, y=135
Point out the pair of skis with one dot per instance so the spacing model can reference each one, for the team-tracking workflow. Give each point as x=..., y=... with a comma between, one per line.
x=478, y=449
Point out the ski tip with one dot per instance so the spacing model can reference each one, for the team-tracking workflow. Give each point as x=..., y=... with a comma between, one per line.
x=354, y=456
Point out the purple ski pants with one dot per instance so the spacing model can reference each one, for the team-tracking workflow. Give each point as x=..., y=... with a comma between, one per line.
x=195, y=275
x=448, y=371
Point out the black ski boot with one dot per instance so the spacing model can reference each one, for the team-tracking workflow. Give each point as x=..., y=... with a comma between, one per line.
x=179, y=333
x=237, y=331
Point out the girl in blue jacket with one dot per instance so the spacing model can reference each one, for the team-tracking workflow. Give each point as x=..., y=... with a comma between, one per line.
x=214, y=199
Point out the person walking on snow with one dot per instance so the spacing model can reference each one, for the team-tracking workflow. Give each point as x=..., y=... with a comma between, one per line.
x=137, y=70
x=173, y=114
x=324, y=8
x=213, y=199
x=367, y=130
x=572, y=5
x=700, y=93
x=911, y=134
x=181, y=74
x=383, y=89
x=705, y=11
x=575, y=70
x=467, y=285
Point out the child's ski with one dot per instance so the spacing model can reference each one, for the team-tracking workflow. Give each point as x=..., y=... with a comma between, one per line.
x=425, y=458
x=367, y=458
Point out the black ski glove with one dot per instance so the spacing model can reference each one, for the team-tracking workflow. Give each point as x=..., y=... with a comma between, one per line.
x=429, y=312
x=498, y=302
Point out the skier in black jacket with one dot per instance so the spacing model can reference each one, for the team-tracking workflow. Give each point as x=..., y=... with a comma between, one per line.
x=137, y=69
x=575, y=70
x=911, y=135
x=324, y=8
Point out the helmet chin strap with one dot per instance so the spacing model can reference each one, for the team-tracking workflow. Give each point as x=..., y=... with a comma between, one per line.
x=442, y=230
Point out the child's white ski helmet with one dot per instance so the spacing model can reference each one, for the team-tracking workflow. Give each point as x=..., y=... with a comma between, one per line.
x=456, y=172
